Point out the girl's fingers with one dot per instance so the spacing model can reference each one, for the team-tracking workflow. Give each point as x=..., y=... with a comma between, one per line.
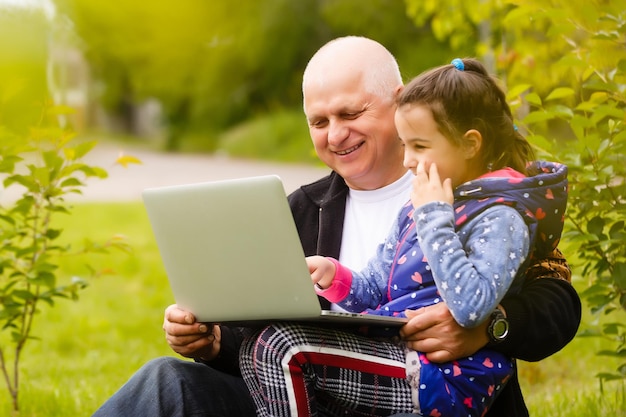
x=420, y=169
x=433, y=174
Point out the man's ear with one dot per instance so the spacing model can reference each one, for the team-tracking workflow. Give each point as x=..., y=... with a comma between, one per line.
x=472, y=142
x=398, y=90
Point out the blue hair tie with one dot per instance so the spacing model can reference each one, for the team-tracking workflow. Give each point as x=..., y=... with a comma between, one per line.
x=458, y=64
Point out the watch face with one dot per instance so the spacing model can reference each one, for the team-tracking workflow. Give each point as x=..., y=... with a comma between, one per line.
x=500, y=329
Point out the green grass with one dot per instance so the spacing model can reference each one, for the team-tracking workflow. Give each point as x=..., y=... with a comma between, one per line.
x=90, y=347
x=87, y=349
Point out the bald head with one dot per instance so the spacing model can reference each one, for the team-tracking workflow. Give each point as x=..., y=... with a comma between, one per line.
x=354, y=57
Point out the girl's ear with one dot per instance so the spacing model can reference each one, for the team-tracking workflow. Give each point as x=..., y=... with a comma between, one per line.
x=472, y=143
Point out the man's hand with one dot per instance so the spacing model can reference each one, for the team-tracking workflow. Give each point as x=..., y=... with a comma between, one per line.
x=188, y=337
x=434, y=331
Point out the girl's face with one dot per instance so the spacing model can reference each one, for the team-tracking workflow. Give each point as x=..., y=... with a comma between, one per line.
x=423, y=142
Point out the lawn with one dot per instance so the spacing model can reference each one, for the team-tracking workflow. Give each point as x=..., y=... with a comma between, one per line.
x=87, y=349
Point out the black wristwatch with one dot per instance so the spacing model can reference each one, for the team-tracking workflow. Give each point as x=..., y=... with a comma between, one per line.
x=498, y=328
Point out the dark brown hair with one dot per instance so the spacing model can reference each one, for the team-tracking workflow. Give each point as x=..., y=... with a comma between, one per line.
x=466, y=99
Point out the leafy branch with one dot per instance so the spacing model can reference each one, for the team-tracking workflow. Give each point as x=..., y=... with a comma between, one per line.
x=46, y=165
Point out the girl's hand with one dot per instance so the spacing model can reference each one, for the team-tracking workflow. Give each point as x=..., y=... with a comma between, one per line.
x=322, y=271
x=428, y=187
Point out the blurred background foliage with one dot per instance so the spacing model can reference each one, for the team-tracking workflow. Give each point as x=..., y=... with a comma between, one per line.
x=209, y=66
x=23, y=60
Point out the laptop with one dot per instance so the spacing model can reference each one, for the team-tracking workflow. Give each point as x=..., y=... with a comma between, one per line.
x=232, y=254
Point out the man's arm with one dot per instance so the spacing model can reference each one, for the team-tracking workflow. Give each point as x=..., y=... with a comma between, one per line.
x=544, y=316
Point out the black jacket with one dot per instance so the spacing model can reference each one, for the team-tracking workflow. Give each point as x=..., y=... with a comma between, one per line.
x=543, y=317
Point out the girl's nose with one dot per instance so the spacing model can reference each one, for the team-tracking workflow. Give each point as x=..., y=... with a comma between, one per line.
x=409, y=162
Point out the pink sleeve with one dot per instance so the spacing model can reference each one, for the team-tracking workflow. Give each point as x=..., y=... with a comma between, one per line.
x=340, y=287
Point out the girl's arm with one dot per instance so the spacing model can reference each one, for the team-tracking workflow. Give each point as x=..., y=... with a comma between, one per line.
x=474, y=268
x=357, y=291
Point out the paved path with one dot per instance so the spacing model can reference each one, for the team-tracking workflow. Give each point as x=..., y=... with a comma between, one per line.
x=160, y=169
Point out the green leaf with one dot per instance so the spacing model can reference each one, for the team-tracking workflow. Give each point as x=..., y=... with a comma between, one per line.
x=44, y=278
x=7, y=219
x=71, y=182
x=621, y=353
x=91, y=171
x=533, y=98
x=561, y=111
x=52, y=160
x=619, y=275
x=612, y=328
x=84, y=148
x=517, y=90
x=560, y=92
x=53, y=233
x=42, y=177
x=609, y=377
x=26, y=181
x=7, y=163
x=24, y=295
x=605, y=110
x=538, y=116
x=542, y=143
x=620, y=137
x=617, y=230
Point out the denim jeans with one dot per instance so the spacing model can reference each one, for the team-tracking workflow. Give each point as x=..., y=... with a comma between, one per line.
x=172, y=387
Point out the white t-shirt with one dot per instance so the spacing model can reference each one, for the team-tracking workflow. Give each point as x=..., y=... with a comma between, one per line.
x=368, y=220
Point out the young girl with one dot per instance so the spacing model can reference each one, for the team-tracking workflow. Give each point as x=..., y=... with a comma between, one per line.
x=461, y=240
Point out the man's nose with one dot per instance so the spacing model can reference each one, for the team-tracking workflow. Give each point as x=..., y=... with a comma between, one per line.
x=337, y=132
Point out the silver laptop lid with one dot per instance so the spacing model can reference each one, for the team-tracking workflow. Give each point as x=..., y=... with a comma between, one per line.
x=231, y=250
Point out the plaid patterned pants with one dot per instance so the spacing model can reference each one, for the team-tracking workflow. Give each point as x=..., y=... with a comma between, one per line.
x=299, y=370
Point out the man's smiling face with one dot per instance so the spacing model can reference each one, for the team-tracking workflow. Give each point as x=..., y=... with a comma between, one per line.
x=353, y=130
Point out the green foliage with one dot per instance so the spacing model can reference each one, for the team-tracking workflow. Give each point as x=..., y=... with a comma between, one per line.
x=214, y=64
x=46, y=167
x=210, y=64
x=457, y=22
x=579, y=119
x=23, y=57
x=565, y=65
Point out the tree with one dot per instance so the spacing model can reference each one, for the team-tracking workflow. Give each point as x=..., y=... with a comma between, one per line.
x=212, y=65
